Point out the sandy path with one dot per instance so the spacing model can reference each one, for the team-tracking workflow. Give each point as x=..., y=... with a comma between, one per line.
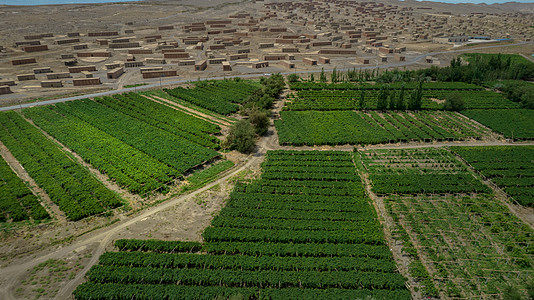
x=188, y=110
x=13, y=274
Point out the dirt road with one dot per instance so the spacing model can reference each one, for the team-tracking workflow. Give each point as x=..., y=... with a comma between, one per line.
x=13, y=274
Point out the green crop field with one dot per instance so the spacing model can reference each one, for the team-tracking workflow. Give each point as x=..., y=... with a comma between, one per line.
x=350, y=127
x=332, y=99
x=222, y=96
x=474, y=247
x=76, y=191
x=304, y=230
x=517, y=124
x=18, y=203
x=514, y=58
x=418, y=171
x=115, y=134
x=509, y=167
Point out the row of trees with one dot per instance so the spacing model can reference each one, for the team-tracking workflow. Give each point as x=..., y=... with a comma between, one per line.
x=518, y=91
x=353, y=75
x=388, y=99
x=242, y=135
x=479, y=69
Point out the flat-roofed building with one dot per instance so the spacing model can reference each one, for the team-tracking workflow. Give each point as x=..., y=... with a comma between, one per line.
x=51, y=84
x=86, y=81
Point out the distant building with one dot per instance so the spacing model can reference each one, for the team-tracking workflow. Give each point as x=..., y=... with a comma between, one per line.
x=451, y=39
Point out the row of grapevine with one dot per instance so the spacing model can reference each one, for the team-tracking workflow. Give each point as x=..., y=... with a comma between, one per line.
x=419, y=171
x=18, y=203
x=188, y=107
x=129, y=167
x=325, y=100
x=350, y=127
x=217, y=96
x=94, y=291
x=251, y=263
x=163, y=117
x=162, y=145
x=476, y=243
x=290, y=234
x=157, y=246
x=509, y=167
x=516, y=124
x=68, y=184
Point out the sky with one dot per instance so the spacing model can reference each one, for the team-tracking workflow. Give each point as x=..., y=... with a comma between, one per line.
x=44, y=2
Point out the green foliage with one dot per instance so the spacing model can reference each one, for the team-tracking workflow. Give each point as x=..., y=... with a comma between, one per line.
x=199, y=178
x=221, y=96
x=517, y=124
x=156, y=246
x=454, y=102
x=382, y=99
x=508, y=167
x=334, y=77
x=392, y=102
x=519, y=91
x=481, y=67
x=362, y=104
x=400, y=105
x=260, y=121
x=17, y=201
x=352, y=127
x=511, y=293
x=68, y=184
x=322, y=77
x=293, y=77
x=416, y=98
x=338, y=249
x=241, y=137
x=264, y=97
x=419, y=171
x=441, y=224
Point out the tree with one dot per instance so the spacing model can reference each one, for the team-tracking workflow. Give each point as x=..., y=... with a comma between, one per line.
x=382, y=99
x=527, y=99
x=293, y=77
x=454, y=102
x=312, y=77
x=322, y=77
x=362, y=99
x=334, y=77
x=241, y=137
x=260, y=121
x=416, y=98
x=392, y=100
x=400, y=100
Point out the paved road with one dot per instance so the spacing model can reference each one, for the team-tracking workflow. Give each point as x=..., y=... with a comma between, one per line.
x=246, y=76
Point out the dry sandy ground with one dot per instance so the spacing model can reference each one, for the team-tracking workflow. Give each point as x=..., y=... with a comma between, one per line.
x=144, y=17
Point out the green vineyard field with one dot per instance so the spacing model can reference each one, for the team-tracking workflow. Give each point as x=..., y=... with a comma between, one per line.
x=509, y=167
x=296, y=232
x=222, y=96
x=517, y=124
x=474, y=247
x=418, y=171
x=350, y=127
x=68, y=184
x=18, y=203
